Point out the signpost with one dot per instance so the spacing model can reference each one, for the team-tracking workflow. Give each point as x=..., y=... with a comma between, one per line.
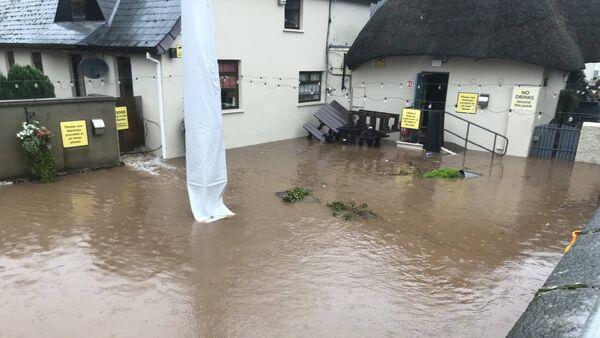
x=467, y=103
x=122, y=118
x=525, y=98
x=411, y=118
x=74, y=134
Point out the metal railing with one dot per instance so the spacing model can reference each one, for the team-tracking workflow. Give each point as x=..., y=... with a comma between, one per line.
x=470, y=124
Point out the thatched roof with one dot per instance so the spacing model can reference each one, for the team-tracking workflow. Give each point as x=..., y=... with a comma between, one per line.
x=558, y=34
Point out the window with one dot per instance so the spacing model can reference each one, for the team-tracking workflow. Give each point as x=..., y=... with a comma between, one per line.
x=78, y=9
x=125, y=76
x=10, y=59
x=310, y=87
x=230, y=88
x=36, y=59
x=76, y=78
x=293, y=10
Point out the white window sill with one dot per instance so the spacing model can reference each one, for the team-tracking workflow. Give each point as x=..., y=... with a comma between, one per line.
x=310, y=104
x=232, y=111
x=293, y=30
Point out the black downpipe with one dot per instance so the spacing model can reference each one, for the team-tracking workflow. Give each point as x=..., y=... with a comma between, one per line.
x=344, y=73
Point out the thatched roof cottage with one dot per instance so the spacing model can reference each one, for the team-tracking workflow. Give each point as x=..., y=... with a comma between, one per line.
x=440, y=49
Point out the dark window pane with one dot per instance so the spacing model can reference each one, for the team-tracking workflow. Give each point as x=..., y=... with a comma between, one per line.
x=78, y=9
x=36, y=59
x=292, y=14
x=310, y=87
x=10, y=59
x=125, y=76
x=228, y=72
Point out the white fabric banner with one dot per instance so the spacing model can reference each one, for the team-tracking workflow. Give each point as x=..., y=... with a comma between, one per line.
x=205, y=149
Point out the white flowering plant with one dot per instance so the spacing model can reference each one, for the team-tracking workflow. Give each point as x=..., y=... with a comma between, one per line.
x=35, y=141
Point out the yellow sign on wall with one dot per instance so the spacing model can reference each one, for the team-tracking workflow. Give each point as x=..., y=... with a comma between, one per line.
x=411, y=118
x=467, y=103
x=380, y=63
x=525, y=98
x=122, y=118
x=179, y=48
x=74, y=134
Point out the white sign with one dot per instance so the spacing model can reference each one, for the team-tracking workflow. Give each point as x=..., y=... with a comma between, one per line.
x=525, y=98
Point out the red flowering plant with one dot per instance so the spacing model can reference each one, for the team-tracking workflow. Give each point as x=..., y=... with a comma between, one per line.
x=35, y=140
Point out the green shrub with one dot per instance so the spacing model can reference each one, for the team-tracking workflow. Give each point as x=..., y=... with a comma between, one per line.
x=568, y=101
x=35, y=141
x=3, y=90
x=25, y=82
x=350, y=210
x=446, y=173
x=295, y=195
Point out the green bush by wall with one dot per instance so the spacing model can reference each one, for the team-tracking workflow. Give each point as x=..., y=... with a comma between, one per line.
x=25, y=82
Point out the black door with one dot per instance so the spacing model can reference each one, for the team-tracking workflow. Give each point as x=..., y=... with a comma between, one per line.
x=125, y=76
x=430, y=97
x=77, y=79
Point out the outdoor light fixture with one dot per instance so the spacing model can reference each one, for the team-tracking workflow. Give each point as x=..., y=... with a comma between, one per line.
x=98, y=126
x=484, y=101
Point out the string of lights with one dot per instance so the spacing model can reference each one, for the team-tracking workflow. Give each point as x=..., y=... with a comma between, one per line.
x=293, y=83
x=283, y=79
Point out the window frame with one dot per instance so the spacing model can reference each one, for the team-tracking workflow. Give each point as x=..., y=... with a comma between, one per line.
x=80, y=16
x=39, y=66
x=314, y=97
x=10, y=59
x=234, y=75
x=298, y=10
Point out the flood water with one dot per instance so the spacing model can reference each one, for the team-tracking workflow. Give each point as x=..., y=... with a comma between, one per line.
x=117, y=253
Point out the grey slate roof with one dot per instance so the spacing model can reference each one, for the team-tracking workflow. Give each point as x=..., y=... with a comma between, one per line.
x=558, y=34
x=139, y=25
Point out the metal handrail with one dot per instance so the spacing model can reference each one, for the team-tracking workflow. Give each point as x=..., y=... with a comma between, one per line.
x=467, y=141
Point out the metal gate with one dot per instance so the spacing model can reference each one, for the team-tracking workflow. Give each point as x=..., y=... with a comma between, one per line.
x=132, y=137
x=555, y=141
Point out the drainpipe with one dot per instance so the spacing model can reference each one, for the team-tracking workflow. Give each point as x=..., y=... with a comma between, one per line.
x=161, y=105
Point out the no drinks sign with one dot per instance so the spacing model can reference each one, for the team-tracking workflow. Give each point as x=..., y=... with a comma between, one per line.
x=525, y=98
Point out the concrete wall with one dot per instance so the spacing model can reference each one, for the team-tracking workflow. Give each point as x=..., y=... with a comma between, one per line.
x=102, y=150
x=588, y=150
x=496, y=78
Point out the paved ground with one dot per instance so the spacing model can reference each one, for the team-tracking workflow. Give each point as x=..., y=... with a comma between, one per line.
x=116, y=252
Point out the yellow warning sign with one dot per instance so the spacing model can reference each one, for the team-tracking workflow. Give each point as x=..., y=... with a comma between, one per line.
x=74, y=134
x=122, y=118
x=179, y=51
x=467, y=103
x=380, y=63
x=411, y=118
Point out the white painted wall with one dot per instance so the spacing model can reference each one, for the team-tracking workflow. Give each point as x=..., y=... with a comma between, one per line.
x=469, y=73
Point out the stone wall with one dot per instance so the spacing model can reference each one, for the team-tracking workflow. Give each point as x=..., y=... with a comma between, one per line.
x=589, y=143
x=565, y=305
x=102, y=151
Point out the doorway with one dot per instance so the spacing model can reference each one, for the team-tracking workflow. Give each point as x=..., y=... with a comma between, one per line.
x=77, y=81
x=430, y=98
x=125, y=76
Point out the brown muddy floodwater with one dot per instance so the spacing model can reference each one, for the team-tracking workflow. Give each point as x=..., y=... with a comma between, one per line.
x=117, y=253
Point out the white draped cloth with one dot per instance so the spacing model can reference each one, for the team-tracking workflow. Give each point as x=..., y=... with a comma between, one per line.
x=205, y=149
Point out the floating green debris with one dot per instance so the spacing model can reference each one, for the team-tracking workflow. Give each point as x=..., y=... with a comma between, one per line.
x=444, y=173
x=408, y=169
x=295, y=195
x=350, y=210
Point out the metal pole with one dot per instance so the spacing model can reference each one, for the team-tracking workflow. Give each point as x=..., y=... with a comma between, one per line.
x=467, y=137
